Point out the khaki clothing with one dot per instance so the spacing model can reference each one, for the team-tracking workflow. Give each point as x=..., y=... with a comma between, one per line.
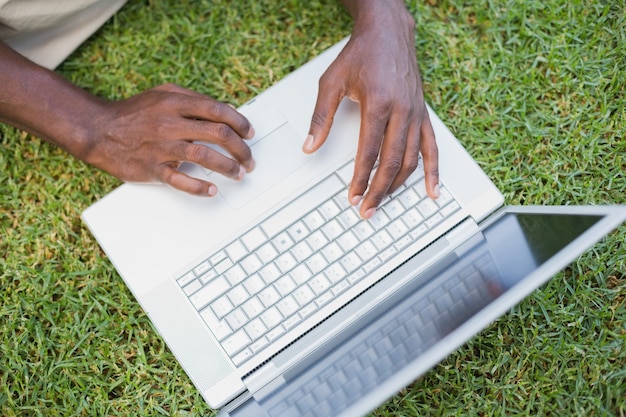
x=48, y=31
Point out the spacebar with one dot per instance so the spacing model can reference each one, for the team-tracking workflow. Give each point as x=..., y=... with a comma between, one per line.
x=311, y=199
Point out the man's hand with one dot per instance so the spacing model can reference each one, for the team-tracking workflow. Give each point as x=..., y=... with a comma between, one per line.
x=378, y=69
x=146, y=137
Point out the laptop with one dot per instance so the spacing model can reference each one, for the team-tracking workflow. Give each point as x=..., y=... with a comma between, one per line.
x=278, y=300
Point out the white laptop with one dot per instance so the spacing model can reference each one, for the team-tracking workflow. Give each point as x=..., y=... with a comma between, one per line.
x=278, y=300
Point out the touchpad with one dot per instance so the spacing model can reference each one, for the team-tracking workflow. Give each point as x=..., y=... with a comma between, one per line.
x=276, y=155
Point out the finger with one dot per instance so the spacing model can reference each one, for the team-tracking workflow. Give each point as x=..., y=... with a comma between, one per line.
x=411, y=156
x=224, y=137
x=391, y=160
x=430, y=154
x=208, y=158
x=372, y=131
x=168, y=175
x=194, y=105
x=328, y=99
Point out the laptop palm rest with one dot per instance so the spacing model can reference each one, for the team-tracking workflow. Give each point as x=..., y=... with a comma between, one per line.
x=277, y=155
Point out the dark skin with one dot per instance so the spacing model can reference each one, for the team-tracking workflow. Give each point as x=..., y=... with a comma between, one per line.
x=146, y=137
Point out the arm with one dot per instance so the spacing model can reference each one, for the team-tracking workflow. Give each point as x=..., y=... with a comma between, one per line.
x=378, y=68
x=143, y=138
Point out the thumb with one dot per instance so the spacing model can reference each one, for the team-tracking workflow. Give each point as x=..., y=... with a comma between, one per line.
x=328, y=100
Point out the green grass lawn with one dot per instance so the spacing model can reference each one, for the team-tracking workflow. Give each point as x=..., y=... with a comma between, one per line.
x=534, y=89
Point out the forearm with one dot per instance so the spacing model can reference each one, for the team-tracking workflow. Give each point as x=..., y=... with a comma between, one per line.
x=46, y=105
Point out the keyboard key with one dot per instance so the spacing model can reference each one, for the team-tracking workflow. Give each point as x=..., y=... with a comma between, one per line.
x=379, y=220
x=449, y=209
x=300, y=274
x=253, y=239
x=332, y=229
x=348, y=241
x=285, y=262
x=434, y=220
x=317, y=240
x=285, y=285
x=335, y=273
x=363, y=230
x=348, y=218
x=259, y=345
x=269, y=296
x=254, y=284
x=351, y=262
x=282, y=242
x=236, y=319
x=202, y=268
x=298, y=231
x=208, y=276
x=235, y=275
x=251, y=264
x=255, y=329
x=192, y=287
x=329, y=209
x=319, y=284
x=366, y=251
x=219, y=327
x=397, y=229
x=303, y=295
x=301, y=251
x=332, y=252
x=186, y=279
x=313, y=220
x=412, y=218
x=393, y=208
x=382, y=239
x=209, y=292
x=236, y=251
x=409, y=198
x=222, y=306
x=444, y=197
x=316, y=263
x=242, y=356
x=217, y=258
x=238, y=295
x=223, y=266
x=253, y=307
x=287, y=306
x=236, y=342
x=271, y=318
x=270, y=273
x=266, y=253
x=427, y=208
x=346, y=172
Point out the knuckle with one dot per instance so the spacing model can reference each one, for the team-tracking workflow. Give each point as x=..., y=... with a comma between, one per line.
x=223, y=132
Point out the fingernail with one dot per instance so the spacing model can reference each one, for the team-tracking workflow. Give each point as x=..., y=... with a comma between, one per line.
x=242, y=172
x=212, y=190
x=251, y=165
x=251, y=133
x=436, y=191
x=355, y=200
x=308, y=144
x=369, y=213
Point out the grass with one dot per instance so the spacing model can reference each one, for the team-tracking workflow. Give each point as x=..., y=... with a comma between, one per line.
x=534, y=90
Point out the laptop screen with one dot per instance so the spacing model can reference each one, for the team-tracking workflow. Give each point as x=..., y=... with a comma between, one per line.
x=520, y=242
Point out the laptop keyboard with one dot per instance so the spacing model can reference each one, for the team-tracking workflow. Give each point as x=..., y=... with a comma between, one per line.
x=277, y=274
